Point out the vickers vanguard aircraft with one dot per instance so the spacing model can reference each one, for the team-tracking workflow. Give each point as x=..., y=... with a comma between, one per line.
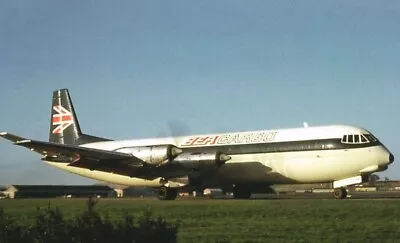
x=240, y=162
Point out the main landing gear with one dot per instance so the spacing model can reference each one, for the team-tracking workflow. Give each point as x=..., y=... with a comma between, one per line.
x=167, y=193
x=241, y=193
x=340, y=193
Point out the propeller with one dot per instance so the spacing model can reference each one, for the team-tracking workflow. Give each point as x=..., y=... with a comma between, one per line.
x=178, y=128
x=175, y=129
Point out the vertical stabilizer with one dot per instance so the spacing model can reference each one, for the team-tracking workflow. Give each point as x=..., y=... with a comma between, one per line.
x=64, y=125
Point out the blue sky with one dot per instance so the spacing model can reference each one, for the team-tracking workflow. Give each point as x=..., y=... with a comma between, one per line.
x=212, y=66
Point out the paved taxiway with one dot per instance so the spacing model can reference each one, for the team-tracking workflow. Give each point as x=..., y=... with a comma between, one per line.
x=327, y=195
x=353, y=195
x=380, y=195
x=391, y=195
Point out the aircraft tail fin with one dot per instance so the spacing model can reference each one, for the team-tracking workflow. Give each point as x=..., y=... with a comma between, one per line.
x=64, y=125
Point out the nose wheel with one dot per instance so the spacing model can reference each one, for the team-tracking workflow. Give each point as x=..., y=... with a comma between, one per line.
x=167, y=193
x=340, y=193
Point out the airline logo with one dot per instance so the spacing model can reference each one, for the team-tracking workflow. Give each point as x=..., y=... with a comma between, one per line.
x=62, y=119
x=232, y=138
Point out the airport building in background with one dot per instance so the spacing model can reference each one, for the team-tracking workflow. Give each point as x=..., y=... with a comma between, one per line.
x=116, y=191
x=51, y=191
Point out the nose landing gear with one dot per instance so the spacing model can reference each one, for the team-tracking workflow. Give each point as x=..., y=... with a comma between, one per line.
x=340, y=193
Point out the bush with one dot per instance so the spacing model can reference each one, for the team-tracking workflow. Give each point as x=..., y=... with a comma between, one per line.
x=50, y=226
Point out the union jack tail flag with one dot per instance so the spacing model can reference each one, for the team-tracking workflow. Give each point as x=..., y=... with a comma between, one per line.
x=62, y=119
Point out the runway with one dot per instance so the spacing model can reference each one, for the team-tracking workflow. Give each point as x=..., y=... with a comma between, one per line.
x=323, y=195
x=351, y=195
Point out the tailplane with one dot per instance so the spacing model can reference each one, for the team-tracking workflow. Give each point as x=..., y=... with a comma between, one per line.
x=64, y=125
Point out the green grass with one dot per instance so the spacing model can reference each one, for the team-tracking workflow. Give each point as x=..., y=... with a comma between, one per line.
x=295, y=220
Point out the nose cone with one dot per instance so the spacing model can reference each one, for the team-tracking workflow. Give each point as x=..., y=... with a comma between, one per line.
x=384, y=156
x=391, y=158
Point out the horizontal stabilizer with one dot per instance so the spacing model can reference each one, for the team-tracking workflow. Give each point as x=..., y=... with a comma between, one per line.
x=11, y=137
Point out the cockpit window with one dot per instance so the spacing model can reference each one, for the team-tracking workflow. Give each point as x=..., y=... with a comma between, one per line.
x=358, y=138
x=350, y=139
x=364, y=139
x=370, y=137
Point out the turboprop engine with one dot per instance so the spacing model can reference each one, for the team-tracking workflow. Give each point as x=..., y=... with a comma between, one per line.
x=155, y=154
x=194, y=160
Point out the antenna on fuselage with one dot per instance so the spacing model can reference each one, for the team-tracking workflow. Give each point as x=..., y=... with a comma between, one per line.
x=305, y=124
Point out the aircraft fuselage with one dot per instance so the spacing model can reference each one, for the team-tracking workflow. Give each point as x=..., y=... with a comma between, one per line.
x=283, y=156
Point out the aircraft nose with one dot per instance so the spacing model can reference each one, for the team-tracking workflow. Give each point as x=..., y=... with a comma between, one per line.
x=391, y=158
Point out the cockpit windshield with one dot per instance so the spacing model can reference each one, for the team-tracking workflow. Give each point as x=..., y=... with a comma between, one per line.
x=370, y=137
x=358, y=138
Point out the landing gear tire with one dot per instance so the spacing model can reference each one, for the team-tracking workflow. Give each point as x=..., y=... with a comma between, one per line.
x=166, y=193
x=340, y=193
x=241, y=193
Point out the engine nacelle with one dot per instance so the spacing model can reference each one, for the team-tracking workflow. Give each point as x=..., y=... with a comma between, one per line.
x=201, y=159
x=155, y=155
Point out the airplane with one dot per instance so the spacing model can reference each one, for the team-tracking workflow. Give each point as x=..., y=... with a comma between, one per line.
x=242, y=163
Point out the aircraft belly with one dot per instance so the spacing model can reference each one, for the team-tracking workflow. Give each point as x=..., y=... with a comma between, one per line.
x=254, y=168
x=248, y=172
x=108, y=177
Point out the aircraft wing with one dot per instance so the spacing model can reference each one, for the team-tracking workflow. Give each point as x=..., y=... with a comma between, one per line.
x=77, y=152
x=92, y=159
